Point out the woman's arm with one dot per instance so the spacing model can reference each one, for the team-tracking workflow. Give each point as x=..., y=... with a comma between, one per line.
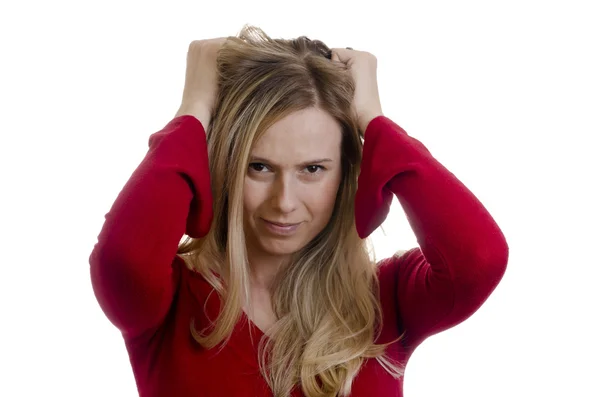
x=169, y=194
x=463, y=253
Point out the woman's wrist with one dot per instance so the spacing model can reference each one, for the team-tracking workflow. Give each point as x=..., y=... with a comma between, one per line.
x=199, y=111
x=365, y=120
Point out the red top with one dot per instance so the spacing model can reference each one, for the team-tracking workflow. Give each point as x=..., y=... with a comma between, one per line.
x=147, y=291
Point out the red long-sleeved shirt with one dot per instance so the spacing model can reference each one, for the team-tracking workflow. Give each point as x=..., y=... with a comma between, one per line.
x=150, y=295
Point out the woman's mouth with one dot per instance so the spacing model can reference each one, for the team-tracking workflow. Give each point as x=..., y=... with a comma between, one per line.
x=281, y=228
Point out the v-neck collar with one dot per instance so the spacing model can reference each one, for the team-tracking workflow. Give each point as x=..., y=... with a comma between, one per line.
x=245, y=339
x=246, y=335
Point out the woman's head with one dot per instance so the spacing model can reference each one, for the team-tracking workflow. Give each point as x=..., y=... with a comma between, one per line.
x=273, y=91
x=285, y=147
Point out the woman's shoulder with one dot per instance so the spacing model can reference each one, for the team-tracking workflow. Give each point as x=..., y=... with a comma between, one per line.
x=393, y=269
x=388, y=270
x=185, y=261
x=391, y=263
x=196, y=288
x=192, y=280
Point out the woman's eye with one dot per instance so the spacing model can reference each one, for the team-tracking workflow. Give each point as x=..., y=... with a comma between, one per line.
x=312, y=169
x=258, y=167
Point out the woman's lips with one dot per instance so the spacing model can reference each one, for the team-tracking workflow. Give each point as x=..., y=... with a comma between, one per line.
x=281, y=228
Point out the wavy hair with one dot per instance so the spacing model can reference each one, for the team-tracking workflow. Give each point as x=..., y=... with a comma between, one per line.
x=326, y=300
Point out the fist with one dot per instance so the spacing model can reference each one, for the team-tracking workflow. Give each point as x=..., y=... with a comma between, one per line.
x=363, y=67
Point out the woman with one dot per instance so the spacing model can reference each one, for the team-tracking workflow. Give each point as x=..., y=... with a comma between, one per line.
x=273, y=292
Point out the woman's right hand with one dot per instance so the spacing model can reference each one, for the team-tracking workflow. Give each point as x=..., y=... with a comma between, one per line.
x=200, y=89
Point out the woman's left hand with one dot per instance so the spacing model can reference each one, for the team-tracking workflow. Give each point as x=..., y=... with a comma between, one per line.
x=363, y=66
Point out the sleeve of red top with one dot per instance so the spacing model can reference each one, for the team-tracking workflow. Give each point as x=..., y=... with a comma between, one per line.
x=132, y=265
x=462, y=252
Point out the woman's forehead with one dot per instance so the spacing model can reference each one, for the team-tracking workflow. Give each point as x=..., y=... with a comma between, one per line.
x=308, y=132
x=297, y=147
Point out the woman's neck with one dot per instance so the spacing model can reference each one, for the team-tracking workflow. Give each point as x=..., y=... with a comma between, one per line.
x=264, y=269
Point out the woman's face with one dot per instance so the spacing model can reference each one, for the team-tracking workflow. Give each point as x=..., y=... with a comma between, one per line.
x=292, y=182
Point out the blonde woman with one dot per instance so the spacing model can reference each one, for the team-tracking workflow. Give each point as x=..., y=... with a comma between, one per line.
x=276, y=168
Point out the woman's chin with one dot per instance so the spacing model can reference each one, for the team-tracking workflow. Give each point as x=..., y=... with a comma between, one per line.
x=280, y=248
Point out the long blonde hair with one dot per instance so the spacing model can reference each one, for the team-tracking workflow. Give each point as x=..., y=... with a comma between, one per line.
x=327, y=300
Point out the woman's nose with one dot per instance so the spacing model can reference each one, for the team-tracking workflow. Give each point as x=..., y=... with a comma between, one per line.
x=284, y=195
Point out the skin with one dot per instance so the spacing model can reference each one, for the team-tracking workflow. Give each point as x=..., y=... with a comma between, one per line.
x=286, y=183
x=293, y=178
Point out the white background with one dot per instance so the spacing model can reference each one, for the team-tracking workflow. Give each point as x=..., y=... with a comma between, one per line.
x=504, y=93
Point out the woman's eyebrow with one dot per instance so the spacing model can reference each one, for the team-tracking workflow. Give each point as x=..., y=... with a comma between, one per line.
x=305, y=163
